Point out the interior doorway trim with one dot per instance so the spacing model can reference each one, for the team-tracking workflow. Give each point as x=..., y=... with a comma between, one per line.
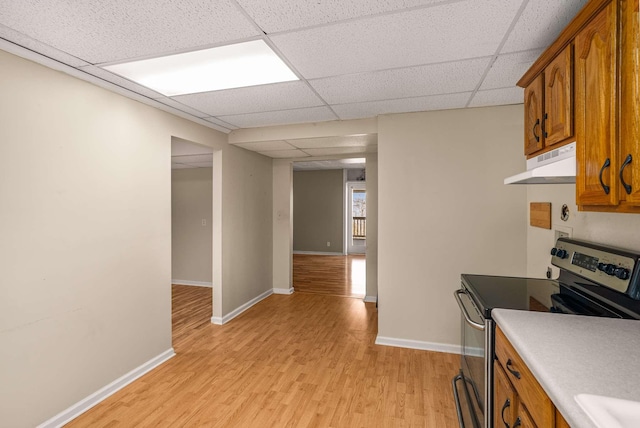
x=350, y=188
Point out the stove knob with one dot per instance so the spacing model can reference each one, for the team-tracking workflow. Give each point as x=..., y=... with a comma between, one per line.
x=610, y=269
x=554, y=250
x=602, y=267
x=561, y=254
x=622, y=273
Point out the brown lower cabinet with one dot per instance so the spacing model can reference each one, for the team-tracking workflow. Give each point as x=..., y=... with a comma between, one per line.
x=519, y=400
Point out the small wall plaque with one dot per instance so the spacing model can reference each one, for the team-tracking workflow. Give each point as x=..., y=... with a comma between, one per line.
x=540, y=214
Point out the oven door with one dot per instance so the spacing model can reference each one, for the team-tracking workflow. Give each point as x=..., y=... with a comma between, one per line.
x=473, y=386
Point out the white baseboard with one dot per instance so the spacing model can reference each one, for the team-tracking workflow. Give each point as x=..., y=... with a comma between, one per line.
x=240, y=309
x=283, y=290
x=196, y=283
x=370, y=299
x=85, y=404
x=417, y=344
x=320, y=253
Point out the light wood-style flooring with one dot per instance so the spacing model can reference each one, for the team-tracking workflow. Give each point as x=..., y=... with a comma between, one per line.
x=330, y=275
x=191, y=311
x=304, y=360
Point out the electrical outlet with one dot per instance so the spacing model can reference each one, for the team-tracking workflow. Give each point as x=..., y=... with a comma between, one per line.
x=204, y=221
x=563, y=232
x=328, y=244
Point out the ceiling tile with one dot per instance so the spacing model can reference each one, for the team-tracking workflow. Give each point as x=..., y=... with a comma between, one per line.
x=459, y=76
x=205, y=157
x=104, y=31
x=495, y=97
x=375, y=108
x=120, y=81
x=36, y=46
x=282, y=15
x=220, y=122
x=346, y=141
x=446, y=32
x=278, y=96
x=540, y=23
x=285, y=154
x=341, y=150
x=263, y=146
x=508, y=69
x=178, y=105
x=282, y=117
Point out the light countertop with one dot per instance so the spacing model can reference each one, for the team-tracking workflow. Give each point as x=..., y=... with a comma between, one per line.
x=571, y=354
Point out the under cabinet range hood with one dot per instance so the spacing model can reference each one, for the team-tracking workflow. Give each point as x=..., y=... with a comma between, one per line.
x=555, y=167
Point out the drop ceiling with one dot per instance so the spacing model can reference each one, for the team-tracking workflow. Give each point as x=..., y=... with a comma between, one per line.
x=188, y=155
x=329, y=164
x=355, y=59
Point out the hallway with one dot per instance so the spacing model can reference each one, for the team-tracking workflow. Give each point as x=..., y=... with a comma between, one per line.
x=304, y=360
x=330, y=275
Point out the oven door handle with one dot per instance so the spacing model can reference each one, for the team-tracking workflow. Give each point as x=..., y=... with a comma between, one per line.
x=466, y=315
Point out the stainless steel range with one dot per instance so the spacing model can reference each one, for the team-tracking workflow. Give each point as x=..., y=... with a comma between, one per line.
x=594, y=280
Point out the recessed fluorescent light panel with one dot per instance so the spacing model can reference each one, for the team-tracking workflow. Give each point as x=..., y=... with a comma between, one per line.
x=354, y=160
x=233, y=66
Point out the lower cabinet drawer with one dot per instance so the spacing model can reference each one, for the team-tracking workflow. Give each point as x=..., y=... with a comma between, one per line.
x=508, y=411
x=504, y=398
x=523, y=419
x=540, y=409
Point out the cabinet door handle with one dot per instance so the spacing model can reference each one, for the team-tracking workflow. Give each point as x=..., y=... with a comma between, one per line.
x=518, y=423
x=606, y=165
x=627, y=187
x=537, y=137
x=506, y=405
x=512, y=371
x=544, y=121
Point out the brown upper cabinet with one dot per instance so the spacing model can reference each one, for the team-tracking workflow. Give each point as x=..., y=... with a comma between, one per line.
x=588, y=79
x=629, y=153
x=596, y=161
x=558, y=99
x=548, y=102
x=533, y=110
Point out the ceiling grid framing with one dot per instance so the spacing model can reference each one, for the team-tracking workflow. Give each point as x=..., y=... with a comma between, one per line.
x=354, y=60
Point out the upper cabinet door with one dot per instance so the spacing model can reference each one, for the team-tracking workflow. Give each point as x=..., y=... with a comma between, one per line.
x=558, y=96
x=629, y=156
x=533, y=139
x=595, y=113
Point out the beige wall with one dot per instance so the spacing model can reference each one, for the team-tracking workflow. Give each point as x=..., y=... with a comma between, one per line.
x=191, y=243
x=247, y=262
x=318, y=210
x=85, y=252
x=443, y=210
x=372, y=225
x=619, y=230
x=282, y=225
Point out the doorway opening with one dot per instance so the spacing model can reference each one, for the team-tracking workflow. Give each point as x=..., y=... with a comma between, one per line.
x=192, y=232
x=356, y=217
x=329, y=227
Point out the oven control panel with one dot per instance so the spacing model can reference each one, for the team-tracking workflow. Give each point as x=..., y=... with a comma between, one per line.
x=608, y=267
